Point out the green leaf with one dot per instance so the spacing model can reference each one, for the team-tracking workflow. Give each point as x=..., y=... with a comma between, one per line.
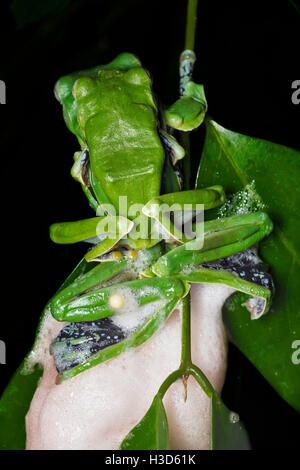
x=234, y=161
x=14, y=404
x=16, y=398
x=152, y=432
x=228, y=432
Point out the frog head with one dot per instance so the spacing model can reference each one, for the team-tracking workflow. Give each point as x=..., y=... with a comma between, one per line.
x=64, y=89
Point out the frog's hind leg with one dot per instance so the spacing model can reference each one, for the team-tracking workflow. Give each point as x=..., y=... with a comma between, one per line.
x=61, y=304
x=221, y=238
x=136, y=310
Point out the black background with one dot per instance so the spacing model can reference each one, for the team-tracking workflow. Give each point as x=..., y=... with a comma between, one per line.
x=248, y=57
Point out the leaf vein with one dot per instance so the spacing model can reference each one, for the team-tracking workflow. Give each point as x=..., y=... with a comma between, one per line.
x=228, y=156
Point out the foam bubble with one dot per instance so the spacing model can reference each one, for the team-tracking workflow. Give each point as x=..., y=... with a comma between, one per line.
x=242, y=202
x=48, y=330
x=96, y=409
x=132, y=315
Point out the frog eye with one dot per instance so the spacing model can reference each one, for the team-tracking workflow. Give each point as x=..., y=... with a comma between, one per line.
x=82, y=87
x=138, y=76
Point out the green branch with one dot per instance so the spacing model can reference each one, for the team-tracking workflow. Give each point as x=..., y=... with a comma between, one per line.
x=186, y=359
x=190, y=33
x=186, y=367
x=191, y=22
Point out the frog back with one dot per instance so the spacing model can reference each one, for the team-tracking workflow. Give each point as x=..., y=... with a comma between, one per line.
x=118, y=116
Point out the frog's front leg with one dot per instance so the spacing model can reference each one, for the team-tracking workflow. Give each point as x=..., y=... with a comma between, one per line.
x=184, y=203
x=112, y=230
x=109, y=231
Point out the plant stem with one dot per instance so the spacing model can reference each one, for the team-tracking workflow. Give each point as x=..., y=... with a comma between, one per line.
x=186, y=360
x=185, y=142
x=190, y=32
x=202, y=380
x=177, y=374
x=186, y=367
x=191, y=22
